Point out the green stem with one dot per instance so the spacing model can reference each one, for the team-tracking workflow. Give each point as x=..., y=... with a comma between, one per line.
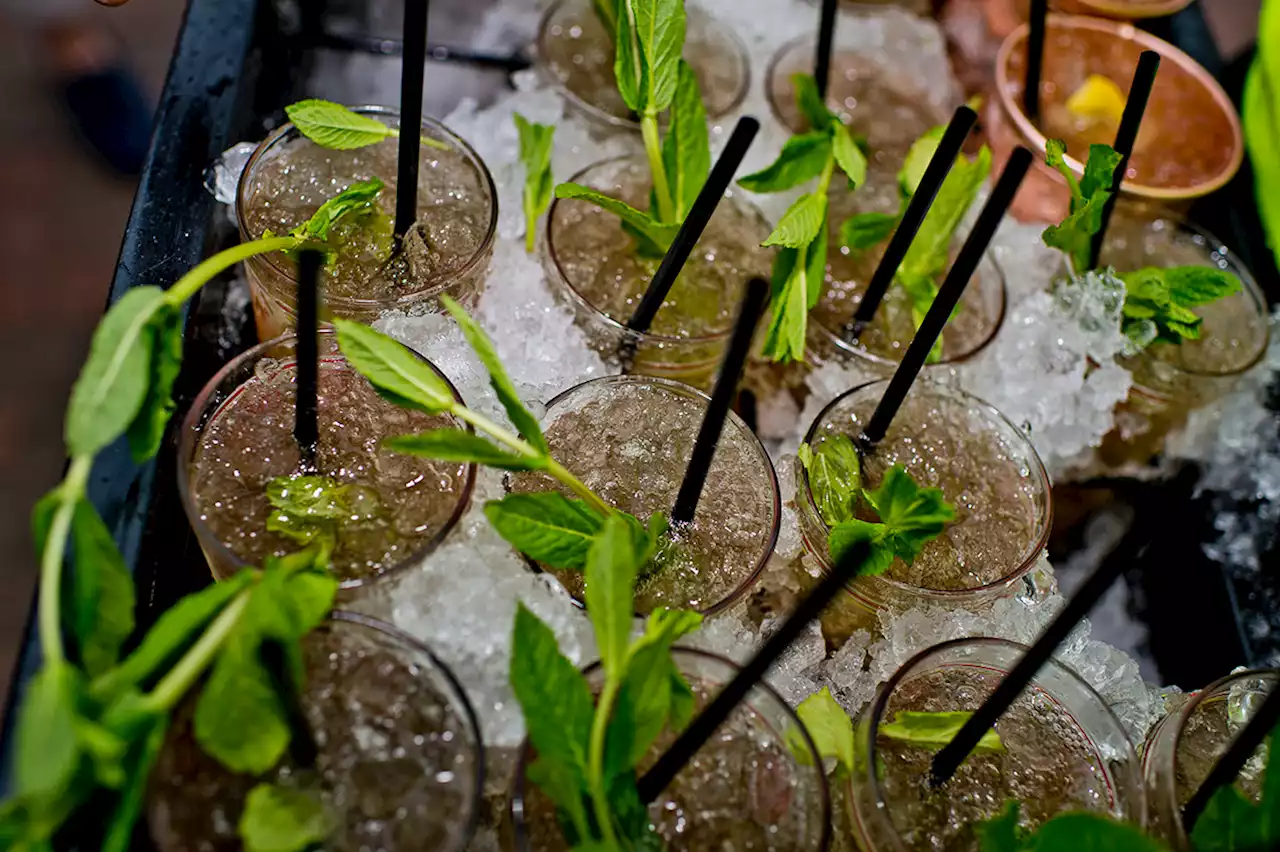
x=190, y=284
x=522, y=447
x=653, y=149
x=183, y=676
x=595, y=760
x=824, y=181
x=55, y=551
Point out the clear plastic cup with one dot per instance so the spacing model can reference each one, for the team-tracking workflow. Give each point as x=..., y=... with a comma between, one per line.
x=985, y=467
x=745, y=789
x=1187, y=104
x=399, y=765
x=1184, y=746
x=446, y=252
x=238, y=436
x=1064, y=751
x=575, y=54
x=593, y=267
x=629, y=438
x=1171, y=381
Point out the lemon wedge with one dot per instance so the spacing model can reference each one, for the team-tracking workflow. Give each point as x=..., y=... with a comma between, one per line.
x=1098, y=98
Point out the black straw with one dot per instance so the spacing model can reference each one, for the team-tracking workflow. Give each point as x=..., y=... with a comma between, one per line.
x=939, y=167
x=673, y=760
x=735, y=360
x=694, y=223
x=826, y=34
x=411, y=72
x=1224, y=772
x=948, y=296
x=306, y=431
x=1126, y=553
x=1035, y=60
x=1144, y=79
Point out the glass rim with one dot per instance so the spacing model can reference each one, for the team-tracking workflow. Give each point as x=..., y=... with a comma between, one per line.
x=680, y=388
x=192, y=429
x=515, y=807
x=613, y=325
x=1180, y=718
x=1136, y=11
x=850, y=350
x=1031, y=553
x=908, y=93
x=876, y=709
x=457, y=701
x=1123, y=31
x=281, y=135
x=595, y=113
x=1251, y=291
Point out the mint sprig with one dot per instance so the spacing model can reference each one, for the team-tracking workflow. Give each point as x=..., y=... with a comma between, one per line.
x=910, y=518
x=800, y=267
x=835, y=477
x=311, y=509
x=652, y=79
x=535, y=155
x=588, y=750
x=1074, y=831
x=1074, y=235
x=547, y=527
x=280, y=819
x=1231, y=822
x=338, y=128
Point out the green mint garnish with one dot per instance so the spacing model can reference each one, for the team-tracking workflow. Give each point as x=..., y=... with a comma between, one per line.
x=910, y=518
x=1231, y=822
x=310, y=509
x=1068, y=832
x=588, y=749
x=334, y=126
x=835, y=477
x=279, y=819
x=1074, y=236
x=833, y=732
x=800, y=267
x=535, y=156
x=652, y=79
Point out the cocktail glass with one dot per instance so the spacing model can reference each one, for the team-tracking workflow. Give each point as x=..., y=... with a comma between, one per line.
x=985, y=467
x=1172, y=381
x=1064, y=750
x=757, y=784
x=1184, y=746
x=1187, y=105
x=593, y=267
x=399, y=761
x=629, y=439
x=576, y=55
x=446, y=251
x=238, y=437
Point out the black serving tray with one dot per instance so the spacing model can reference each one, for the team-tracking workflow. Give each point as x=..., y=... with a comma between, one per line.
x=235, y=66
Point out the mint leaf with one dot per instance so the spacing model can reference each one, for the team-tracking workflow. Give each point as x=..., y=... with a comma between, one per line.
x=115, y=379
x=1001, y=833
x=934, y=730
x=547, y=527
x=803, y=158
x=535, y=156
x=147, y=429
x=655, y=232
x=1091, y=832
x=686, y=148
x=395, y=372
x=277, y=819
x=1192, y=286
x=100, y=598
x=784, y=339
x=360, y=197
x=1074, y=235
x=910, y=517
x=930, y=250
x=919, y=155
x=333, y=126
x=557, y=706
x=48, y=752
x=1230, y=823
x=1099, y=171
x=810, y=103
x=1055, y=156
x=802, y=223
x=650, y=41
x=835, y=477
x=864, y=230
x=829, y=727
x=240, y=719
x=848, y=156
x=610, y=587
x=457, y=445
x=521, y=418
x=1158, y=301
x=307, y=509
x=607, y=11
